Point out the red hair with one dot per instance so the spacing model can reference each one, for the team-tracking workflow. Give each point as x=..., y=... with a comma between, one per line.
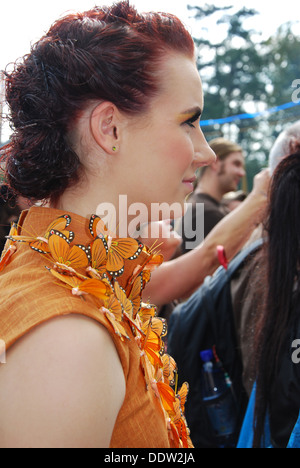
x=111, y=53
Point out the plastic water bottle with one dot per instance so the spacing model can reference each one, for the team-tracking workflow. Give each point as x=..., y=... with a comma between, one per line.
x=219, y=400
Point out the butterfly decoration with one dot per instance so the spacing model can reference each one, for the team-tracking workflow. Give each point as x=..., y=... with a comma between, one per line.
x=118, y=327
x=161, y=389
x=81, y=287
x=113, y=251
x=40, y=243
x=92, y=271
x=120, y=250
x=113, y=311
x=178, y=418
x=149, y=264
x=98, y=253
x=169, y=369
x=135, y=295
x=151, y=344
x=147, y=311
x=65, y=256
x=154, y=262
x=157, y=324
x=126, y=304
x=9, y=248
x=181, y=396
x=167, y=396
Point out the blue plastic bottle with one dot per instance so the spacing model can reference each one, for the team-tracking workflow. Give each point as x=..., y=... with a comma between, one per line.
x=219, y=400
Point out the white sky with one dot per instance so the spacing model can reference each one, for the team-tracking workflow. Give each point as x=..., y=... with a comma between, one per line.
x=24, y=21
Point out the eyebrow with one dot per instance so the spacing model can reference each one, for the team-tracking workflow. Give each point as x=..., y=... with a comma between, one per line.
x=193, y=111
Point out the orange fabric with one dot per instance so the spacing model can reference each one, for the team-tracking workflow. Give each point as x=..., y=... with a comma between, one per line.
x=30, y=297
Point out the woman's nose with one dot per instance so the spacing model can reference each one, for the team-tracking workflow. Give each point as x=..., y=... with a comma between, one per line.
x=204, y=155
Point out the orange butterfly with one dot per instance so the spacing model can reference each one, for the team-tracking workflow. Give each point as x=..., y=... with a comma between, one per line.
x=147, y=266
x=113, y=305
x=6, y=256
x=161, y=389
x=117, y=326
x=158, y=325
x=9, y=248
x=182, y=395
x=120, y=250
x=169, y=369
x=114, y=313
x=178, y=417
x=154, y=262
x=98, y=228
x=152, y=345
x=135, y=295
x=80, y=287
x=98, y=253
x=167, y=396
x=67, y=257
x=40, y=243
x=147, y=311
x=123, y=299
x=117, y=249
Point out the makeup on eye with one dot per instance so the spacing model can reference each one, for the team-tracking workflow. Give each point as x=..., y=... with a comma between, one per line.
x=192, y=116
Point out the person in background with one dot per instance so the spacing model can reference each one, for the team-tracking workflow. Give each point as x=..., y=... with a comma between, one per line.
x=278, y=327
x=232, y=232
x=223, y=176
x=232, y=200
x=248, y=284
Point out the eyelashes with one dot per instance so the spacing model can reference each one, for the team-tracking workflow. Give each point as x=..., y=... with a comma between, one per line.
x=191, y=120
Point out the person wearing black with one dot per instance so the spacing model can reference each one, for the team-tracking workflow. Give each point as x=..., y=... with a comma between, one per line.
x=223, y=176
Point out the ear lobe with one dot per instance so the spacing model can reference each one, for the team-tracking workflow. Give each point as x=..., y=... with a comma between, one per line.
x=104, y=126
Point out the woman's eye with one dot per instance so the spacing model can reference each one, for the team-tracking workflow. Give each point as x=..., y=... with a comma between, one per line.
x=190, y=124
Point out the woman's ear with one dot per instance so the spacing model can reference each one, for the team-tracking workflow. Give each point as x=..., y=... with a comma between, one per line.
x=105, y=122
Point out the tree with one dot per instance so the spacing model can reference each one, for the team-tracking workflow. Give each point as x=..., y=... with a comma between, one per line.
x=241, y=73
x=283, y=52
x=230, y=72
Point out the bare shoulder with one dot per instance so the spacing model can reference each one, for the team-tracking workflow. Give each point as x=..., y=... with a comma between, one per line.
x=62, y=386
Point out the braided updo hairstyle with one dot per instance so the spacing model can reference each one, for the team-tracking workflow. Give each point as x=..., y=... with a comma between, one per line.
x=108, y=53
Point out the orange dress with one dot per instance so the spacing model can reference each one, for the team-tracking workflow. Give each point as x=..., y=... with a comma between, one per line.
x=81, y=270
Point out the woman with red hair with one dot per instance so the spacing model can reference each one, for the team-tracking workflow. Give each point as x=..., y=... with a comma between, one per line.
x=108, y=102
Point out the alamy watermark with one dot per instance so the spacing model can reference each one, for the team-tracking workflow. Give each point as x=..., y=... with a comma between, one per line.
x=296, y=353
x=134, y=220
x=2, y=352
x=296, y=93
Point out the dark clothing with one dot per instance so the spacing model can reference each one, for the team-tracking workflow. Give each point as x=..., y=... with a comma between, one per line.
x=247, y=292
x=285, y=393
x=213, y=213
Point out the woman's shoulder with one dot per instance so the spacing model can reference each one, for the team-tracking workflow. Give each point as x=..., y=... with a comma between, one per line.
x=70, y=385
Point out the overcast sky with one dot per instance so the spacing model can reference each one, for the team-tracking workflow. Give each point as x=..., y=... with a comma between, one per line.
x=24, y=21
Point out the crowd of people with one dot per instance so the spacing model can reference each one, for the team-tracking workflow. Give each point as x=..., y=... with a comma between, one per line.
x=99, y=108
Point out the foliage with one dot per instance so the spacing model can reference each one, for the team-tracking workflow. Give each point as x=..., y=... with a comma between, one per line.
x=243, y=73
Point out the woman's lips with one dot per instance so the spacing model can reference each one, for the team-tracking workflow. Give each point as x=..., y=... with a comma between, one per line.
x=189, y=183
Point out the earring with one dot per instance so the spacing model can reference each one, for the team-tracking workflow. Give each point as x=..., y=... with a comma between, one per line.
x=114, y=148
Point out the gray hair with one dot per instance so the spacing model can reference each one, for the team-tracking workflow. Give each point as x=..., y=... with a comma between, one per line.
x=287, y=143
